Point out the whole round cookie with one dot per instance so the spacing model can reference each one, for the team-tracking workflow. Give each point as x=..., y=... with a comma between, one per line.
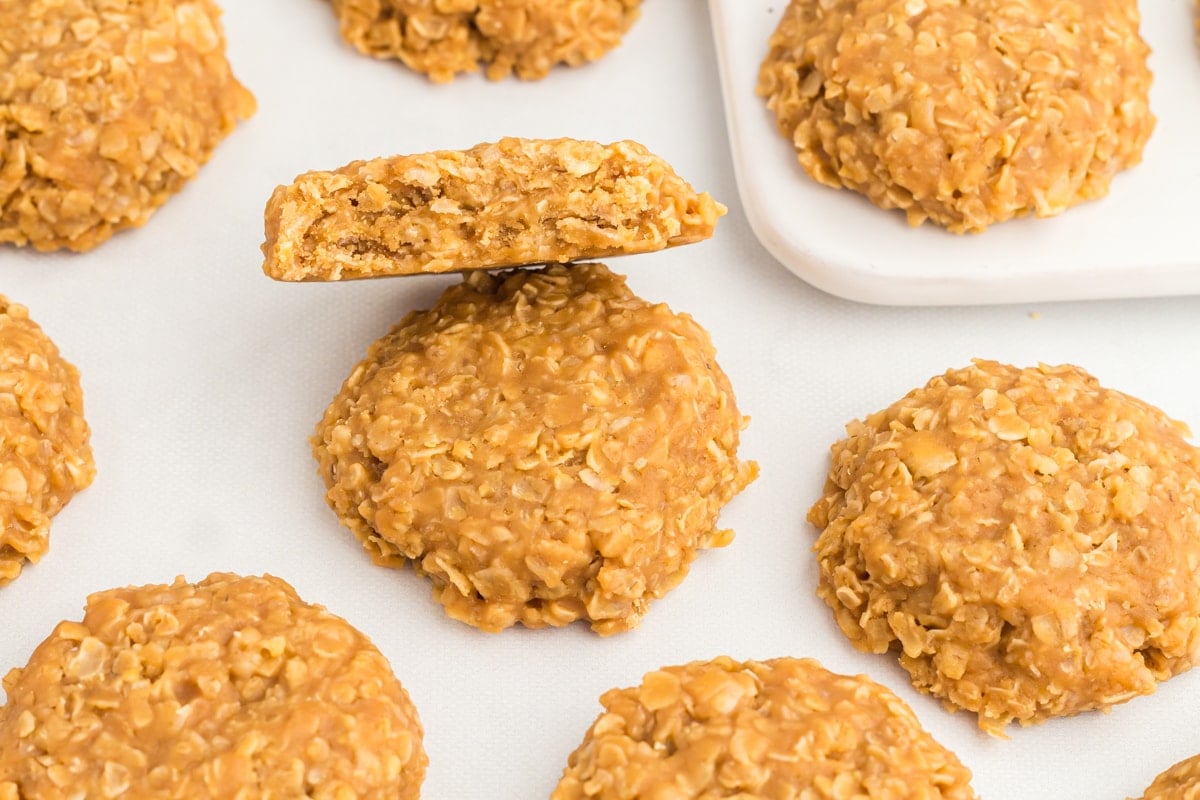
x=963, y=112
x=527, y=37
x=544, y=445
x=45, y=455
x=770, y=729
x=1180, y=782
x=1025, y=538
x=232, y=687
x=106, y=109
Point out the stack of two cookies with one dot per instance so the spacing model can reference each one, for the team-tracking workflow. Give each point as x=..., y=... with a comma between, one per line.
x=543, y=444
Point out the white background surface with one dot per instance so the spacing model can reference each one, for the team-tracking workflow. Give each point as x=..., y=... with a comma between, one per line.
x=203, y=380
x=1139, y=242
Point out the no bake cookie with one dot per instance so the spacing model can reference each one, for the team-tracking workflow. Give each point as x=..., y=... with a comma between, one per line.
x=106, y=110
x=759, y=730
x=962, y=112
x=526, y=37
x=1180, y=782
x=544, y=445
x=1027, y=540
x=514, y=202
x=232, y=687
x=45, y=455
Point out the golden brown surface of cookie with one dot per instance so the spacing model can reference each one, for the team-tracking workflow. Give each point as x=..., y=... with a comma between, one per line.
x=1180, y=782
x=963, y=112
x=106, y=109
x=527, y=37
x=1028, y=540
x=45, y=455
x=544, y=445
x=785, y=728
x=515, y=202
x=229, y=688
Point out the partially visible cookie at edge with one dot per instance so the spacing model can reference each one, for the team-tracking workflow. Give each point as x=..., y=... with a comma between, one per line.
x=230, y=687
x=106, y=110
x=526, y=37
x=1025, y=540
x=759, y=729
x=45, y=450
x=544, y=445
x=1179, y=782
x=505, y=204
x=962, y=112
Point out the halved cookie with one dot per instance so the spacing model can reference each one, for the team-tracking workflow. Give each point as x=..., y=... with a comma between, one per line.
x=512, y=203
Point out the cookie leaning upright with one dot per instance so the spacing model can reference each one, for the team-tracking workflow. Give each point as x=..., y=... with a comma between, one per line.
x=544, y=445
x=527, y=37
x=503, y=204
x=1026, y=540
x=231, y=687
x=106, y=110
x=45, y=457
x=962, y=112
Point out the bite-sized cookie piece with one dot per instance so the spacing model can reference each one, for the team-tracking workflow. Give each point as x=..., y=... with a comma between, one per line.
x=771, y=729
x=527, y=37
x=1180, y=782
x=515, y=202
x=1028, y=540
x=45, y=455
x=963, y=112
x=544, y=445
x=106, y=109
x=232, y=687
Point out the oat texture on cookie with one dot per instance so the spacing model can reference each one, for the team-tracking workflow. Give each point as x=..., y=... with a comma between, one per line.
x=962, y=112
x=526, y=37
x=503, y=204
x=759, y=731
x=229, y=688
x=544, y=445
x=45, y=455
x=106, y=110
x=1027, y=540
x=1180, y=782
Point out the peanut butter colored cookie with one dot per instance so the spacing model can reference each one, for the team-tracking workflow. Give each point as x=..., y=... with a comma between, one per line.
x=544, y=445
x=1027, y=541
x=515, y=202
x=527, y=37
x=963, y=112
x=785, y=728
x=1180, y=782
x=45, y=457
x=106, y=110
x=229, y=688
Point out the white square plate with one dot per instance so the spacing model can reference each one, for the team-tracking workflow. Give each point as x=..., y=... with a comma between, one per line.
x=1140, y=241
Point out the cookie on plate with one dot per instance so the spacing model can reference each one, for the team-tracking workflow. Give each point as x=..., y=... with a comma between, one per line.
x=514, y=202
x=45, y=455
x=231, y=687
x=544, y=445
x=106, y=110
x=962, y=112
x=769, y=729
x=527, y=37
x=1025, y=539
x=1180, y=782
